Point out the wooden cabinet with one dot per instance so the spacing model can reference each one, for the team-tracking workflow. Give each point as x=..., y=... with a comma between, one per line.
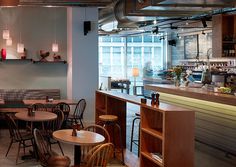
x=224, y=36
x=166, y=130
x=169, y=134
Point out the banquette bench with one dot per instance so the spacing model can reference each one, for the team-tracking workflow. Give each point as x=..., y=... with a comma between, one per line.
x=13, y=98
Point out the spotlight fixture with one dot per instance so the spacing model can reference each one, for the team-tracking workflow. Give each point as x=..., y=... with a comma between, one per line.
x=173, y=27
x=155, y=22
x=204, y=24
x=156, y=30
x=178, y=36
x=162, y=38
x=203, y=33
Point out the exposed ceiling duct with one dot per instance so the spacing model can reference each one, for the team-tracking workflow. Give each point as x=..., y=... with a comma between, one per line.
x=101, y=3
x=133, y=14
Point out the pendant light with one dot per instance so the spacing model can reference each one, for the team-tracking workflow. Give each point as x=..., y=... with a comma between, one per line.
x=9, y=41
x=55, y=47
x=20, y=48
x=6, y=34
x=20, y=45
x=6, y=31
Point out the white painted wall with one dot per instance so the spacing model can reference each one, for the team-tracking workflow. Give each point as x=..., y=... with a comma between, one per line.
x=83, y=57
x=37, y=28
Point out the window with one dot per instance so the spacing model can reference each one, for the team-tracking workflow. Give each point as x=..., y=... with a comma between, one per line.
x=118, y=55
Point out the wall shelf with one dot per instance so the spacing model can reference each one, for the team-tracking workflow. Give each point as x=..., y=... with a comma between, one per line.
x=34, y=61
x=50, y=62
x=17, y=60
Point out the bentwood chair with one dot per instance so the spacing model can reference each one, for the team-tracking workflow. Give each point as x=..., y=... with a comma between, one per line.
x=47, y=157
x=38, y=107
x=98, y=129
x=99, y=155
x=52, y=126
x=77, y=116
x=23, y=139
x=65, y=108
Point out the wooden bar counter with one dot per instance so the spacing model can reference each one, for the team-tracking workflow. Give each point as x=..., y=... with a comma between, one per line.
x=196, y=93
x=215, y=116
x=166, y=130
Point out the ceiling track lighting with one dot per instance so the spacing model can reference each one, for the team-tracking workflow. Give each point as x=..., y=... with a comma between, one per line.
x=156, y=30
x=162, y=38
x=204, y=24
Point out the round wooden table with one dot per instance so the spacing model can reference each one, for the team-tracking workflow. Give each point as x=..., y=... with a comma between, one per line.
x=83, y=138
x=40, y=116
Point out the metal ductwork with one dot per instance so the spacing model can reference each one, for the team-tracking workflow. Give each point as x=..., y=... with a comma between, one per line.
x=99, y=3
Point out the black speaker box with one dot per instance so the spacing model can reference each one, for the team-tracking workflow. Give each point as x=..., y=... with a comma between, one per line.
x=87, y=27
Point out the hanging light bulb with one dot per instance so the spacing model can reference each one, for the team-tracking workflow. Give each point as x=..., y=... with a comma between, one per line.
x=6, y=34
x=9, y=41
x=20, y=48
x=55, y=47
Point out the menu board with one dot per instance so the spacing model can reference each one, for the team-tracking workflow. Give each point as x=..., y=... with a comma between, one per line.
x=191, y=47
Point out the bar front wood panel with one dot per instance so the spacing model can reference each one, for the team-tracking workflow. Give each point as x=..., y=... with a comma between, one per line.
x=165, y=129
x=215, y=123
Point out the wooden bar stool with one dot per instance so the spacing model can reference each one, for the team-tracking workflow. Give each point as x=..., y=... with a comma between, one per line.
x=111, y=120
x=132, y=140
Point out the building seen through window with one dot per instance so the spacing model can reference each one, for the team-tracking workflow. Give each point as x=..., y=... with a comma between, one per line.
x=119, y=55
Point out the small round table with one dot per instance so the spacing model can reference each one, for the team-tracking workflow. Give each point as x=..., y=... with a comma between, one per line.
x=83, y=138
x=40, y=116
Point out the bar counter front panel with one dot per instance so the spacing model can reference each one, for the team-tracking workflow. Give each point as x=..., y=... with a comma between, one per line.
x=215, y=116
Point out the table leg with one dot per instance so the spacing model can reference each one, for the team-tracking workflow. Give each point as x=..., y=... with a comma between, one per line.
x=77, y=155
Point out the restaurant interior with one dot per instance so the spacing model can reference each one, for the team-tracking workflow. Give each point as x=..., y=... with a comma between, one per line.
x=146, y=83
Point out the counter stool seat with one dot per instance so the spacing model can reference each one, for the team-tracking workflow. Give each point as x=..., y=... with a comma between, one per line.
x=108, y=118
x=111, y=120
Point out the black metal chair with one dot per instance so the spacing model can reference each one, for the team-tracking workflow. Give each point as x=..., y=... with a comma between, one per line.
x=16, y=136
x=132, y=140
x=77, y=116
x=47, y=157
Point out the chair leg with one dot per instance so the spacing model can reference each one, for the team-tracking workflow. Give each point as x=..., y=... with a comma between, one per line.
x=59, y=144
x=9, y=147
x=24, y=147
x=132, y=135
x=138, y=139
x=121, y=143
x=82, y=125
x=18, y=152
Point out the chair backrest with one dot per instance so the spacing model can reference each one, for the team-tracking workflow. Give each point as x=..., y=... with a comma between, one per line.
x=13, y=128
x=79, y=109
x=100, y=155
x=42, y=147
x=56, y=123
x=64, y=107
x=99, y=129
x=38, y=107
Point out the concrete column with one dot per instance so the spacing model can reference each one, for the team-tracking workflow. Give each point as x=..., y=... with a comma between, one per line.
x=82, y=73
